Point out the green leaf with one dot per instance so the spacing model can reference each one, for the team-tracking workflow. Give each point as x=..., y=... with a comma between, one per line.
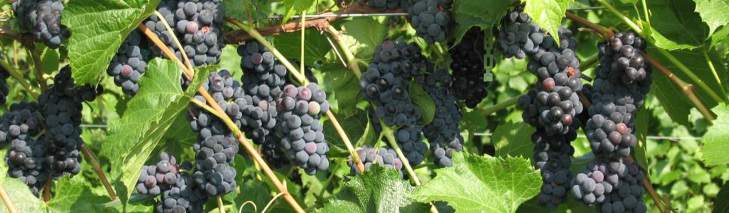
x=316, y=46
x=715, y=140
x=422, y=100
x=482, y=13
x=76, y=195
x=483, y=184
x=378, y=190
x=99, y=28
x=296, y=7
x=548, y=14
x=662, y=42
x=720, y=201
x=50, y=60
x=21, y=197
x=362, y=36
x=713, y=12
x=675, y=24
x=230, y=60
x=148, y=116
x=513, y=139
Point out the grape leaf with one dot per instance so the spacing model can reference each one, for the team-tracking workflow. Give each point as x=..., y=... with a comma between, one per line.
x=513, y=139
x=674, y=25
x=99, y=28
x=715, y=139
x=21, y=196
x=294, y=7
x=362, y=36
x=378, y=190
x=721, y=198
x=315, y=46
x=482, y=184
x=713, y=12
x=548, y=14
x=482, y=13
x=76, y=195
x=148, y=116
x=423, y=101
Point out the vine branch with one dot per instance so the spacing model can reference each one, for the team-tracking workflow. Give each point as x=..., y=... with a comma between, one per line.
x=91, y=158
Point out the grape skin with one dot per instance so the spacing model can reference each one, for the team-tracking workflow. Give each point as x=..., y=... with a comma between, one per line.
x=43, y=19
x=198, y=26
x=468, y=68
x=129, y=63
x=299, y=131
x=384, y=157
x=443, y=131
x=154, y=179
x=431, y=19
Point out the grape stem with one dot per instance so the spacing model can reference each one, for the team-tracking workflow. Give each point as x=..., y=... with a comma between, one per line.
x=6, y=200
x=301, y=78
x=351, y=60
x=34, y=55
x=221, y=206
x=686, y=88
x=293, y=26
x=216, y=110
x=500, y=106
x=91, y=158
x=271, y=202
x=390, y=135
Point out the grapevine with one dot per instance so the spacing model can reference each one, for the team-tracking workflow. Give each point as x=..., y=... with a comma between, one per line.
x=362, y=106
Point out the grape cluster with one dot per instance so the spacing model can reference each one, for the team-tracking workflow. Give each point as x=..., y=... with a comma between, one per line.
x=443, y=132
x=264, y=77
x=622, y=81
x=45, y=136
x=263, y=80
x=410, y=140
x=468, y=68
x=553, y=156
x=299, y=131
x=61, y=107
x=129, y=63
x=384, y=157
x=154, y=179
x=26, y=157
x=178, y=191
x=628, y=195
x=386, y=4
x=198, y=26
x=43, y=19
x=594, y=184
x=553, y=105
x=431, y=19
x=228, y=94
x=213, y=158
x=182, y=196
x=386, y=82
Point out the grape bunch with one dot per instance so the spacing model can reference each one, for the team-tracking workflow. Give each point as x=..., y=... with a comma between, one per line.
x=26, y=157
x=468, y=68
x=553, y=105
x=443, y=132
x=386, y=82
x=553, y=157
x=229, y=95
x=199, y=27
x=177, y=190
x=431, y=19
x=628, y=195
x=61, y=107
x=386, y=4
x=594, y=184
x=159, y=177
x=182, y=196
x=213, y=158
x=622, y=55
x=263, y=80
x=43, y=19
x=410, y=140
x=129, y=63
x=299, y=131
x=384, y=157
